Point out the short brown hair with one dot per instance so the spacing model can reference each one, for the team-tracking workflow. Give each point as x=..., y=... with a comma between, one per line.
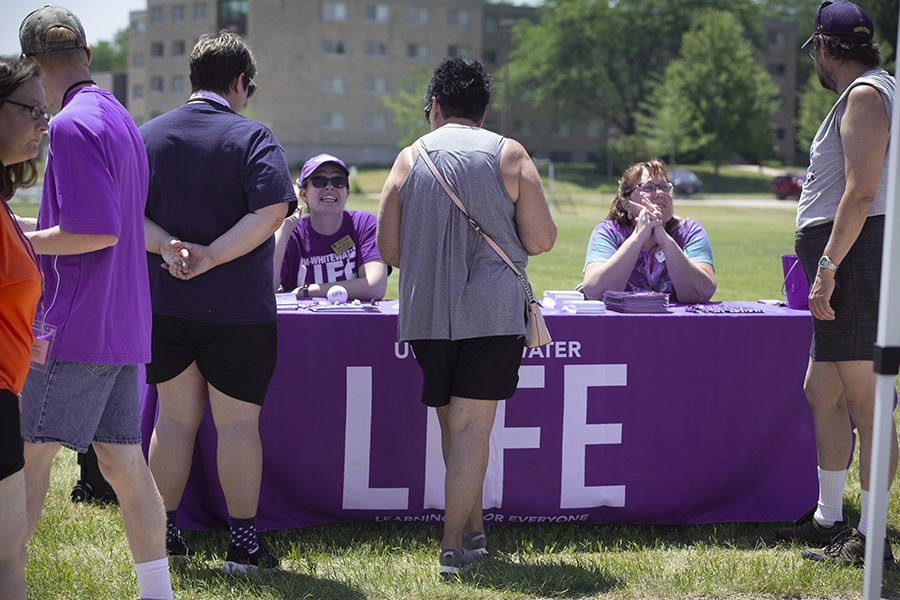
x=217, y=59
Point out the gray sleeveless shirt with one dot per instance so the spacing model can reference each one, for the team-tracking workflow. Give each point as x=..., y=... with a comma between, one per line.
x=826, y=180
x=452, y=284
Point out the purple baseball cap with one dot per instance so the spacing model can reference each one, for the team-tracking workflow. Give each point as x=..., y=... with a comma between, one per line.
x=315, y=162
x=842, y=18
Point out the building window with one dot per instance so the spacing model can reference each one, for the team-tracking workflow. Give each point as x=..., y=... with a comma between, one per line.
x=156, y=85
x=560, y=129
x=157, y=50
x=375, y=85
x=137, y=92
x=777, y=69
x=138, y=29
x=375, y=122
x=334, y=84
x=523, y=127
x=456, y=50
x=334, y=11
x=178, y=13
x=418, y=15
x=780, y=134
x=490, y=57
x=491, y=24
x=200, y=12
x=332, y=119
x=137, y=59
x=378, y=13
x=233, y=16
x=178, y=48
x=595, y=130
x=778, y=39
x=334, y=48
x=418, y=51
x=177, y=84
x=157, y=16
x=459, y=17
x=376, y=49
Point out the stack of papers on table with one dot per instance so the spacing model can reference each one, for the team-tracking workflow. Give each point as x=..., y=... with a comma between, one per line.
x=555, y=298
x=285, y=301
x=636, y=302
x=584, y=307
x=345, y=308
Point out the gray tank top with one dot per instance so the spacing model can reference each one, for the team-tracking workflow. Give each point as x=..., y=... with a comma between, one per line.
x=826, y=181
x=452, y=284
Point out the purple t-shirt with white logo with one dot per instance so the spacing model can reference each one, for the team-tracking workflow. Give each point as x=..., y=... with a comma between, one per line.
x=319, y=253
x=96, y=183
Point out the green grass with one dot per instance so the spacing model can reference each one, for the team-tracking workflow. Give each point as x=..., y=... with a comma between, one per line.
x=79, y=550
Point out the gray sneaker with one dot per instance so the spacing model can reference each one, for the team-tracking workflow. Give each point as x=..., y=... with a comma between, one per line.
x=454, y=562
x=848, y=549
x=475, y=542
x=807, y=530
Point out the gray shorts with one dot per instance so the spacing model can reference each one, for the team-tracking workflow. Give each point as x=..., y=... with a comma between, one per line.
x=74, y=404
x=857, y=283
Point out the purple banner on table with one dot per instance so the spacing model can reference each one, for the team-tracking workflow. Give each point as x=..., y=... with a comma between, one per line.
x=675, y=418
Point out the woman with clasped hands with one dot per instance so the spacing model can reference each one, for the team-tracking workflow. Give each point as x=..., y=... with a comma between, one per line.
x=643, y=246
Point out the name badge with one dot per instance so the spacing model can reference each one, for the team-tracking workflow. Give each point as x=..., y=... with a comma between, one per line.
x=44, y=334
x=342, y=245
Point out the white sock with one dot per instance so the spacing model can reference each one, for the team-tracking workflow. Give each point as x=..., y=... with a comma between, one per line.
x=831, y=497
x=153, y=579
x=863, y=512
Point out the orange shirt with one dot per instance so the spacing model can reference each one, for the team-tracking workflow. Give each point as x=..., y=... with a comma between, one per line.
x=20, y=290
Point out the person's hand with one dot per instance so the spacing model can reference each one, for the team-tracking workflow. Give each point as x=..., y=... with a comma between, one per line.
x=648, y=219
x=175, y=256
x=820, y=296
x=292, y=220
x=200, y=260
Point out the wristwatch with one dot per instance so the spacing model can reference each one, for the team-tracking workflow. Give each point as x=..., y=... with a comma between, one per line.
x=825, y=263
x=306, y=289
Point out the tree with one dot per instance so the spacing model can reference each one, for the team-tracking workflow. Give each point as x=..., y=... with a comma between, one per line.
x=111, y=56
x=729, y=97
x=406, y=106
x=670, y=126
x=595, y=58
x=815, y=104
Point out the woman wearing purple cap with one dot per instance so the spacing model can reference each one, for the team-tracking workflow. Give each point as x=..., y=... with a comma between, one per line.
x=331, y=245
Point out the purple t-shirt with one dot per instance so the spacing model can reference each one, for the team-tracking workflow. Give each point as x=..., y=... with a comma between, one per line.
x=96, y=183
x=318, y=254
x=648, y=275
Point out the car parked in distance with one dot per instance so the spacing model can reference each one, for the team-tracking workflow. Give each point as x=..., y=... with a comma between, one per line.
x=788, y=185
x=686, y=182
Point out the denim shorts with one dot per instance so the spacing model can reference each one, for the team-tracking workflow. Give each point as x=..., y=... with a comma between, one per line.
x=74, y=404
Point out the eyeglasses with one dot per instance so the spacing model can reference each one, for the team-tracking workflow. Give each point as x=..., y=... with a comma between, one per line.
x=251, y=89
x=36, y=111
x=648, y=188
x=428, y=114
x=338, y=182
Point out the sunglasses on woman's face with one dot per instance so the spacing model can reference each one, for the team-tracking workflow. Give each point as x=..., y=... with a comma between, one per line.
x=338, y=182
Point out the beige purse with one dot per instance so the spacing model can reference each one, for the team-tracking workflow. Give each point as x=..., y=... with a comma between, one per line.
x=537, y=334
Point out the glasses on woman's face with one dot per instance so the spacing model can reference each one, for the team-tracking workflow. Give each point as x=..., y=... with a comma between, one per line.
x=649, y=188
x=36, y=111
x=338, y=182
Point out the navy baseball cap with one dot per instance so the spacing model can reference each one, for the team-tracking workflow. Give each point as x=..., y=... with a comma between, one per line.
x=315, y=162
x=34, y=28
x=842, y=18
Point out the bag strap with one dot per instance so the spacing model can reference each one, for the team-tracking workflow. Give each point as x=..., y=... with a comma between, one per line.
x=440, y=178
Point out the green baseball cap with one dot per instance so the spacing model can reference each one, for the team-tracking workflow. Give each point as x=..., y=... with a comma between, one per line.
x=36, y=25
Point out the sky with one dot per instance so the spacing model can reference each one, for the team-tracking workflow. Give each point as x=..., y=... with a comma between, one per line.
x=101, y=18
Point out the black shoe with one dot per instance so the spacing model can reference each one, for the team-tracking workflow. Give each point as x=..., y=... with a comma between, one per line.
x=848, y=549
x=178, y=550
x=808, y=531
x=239, y=561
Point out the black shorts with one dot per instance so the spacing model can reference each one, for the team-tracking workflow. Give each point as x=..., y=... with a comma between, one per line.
x=12, y=448
x=237, y=360
x=857, y=282
x=484, y=368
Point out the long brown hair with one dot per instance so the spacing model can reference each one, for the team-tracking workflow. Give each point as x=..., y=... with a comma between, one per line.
x=15, y=73
x=629, y=180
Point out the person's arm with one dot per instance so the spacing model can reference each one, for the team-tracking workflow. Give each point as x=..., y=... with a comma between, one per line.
x=26, y=224
x=694, y=282
x=282, y=236
x=158, y=241
x=534, y=224
x=371, y=283
x=245, y=235
x=387, y=237
x=864, y=135
x=56, y=241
